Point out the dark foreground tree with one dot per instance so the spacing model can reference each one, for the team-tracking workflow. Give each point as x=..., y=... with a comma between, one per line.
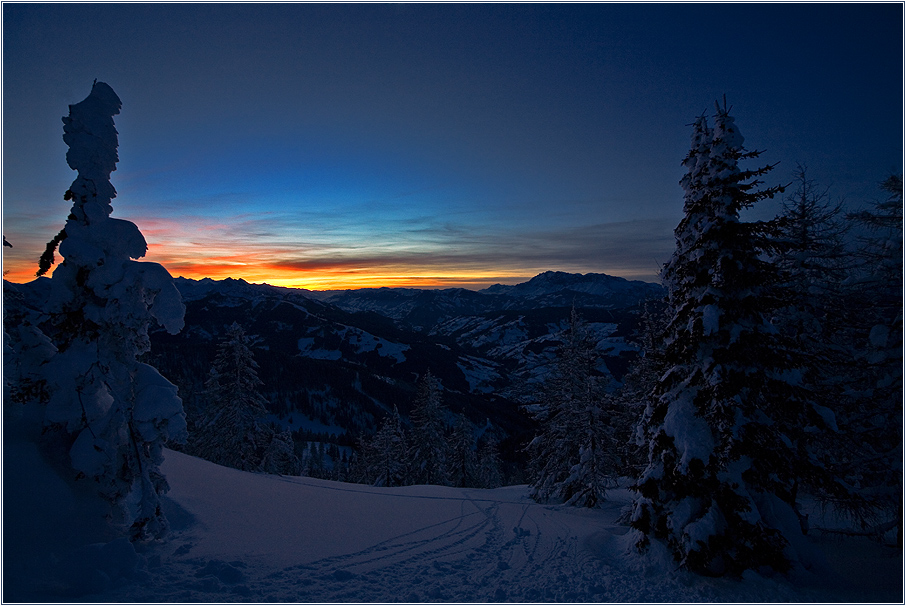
x=116, y=413
x=727, y=422
x=813, y=261
x=869, y=451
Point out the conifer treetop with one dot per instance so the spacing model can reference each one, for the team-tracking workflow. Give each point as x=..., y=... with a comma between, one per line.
x=92, y=139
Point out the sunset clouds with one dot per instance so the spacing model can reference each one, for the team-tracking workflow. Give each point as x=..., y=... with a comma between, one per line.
x=423, y=256
x=432, y=145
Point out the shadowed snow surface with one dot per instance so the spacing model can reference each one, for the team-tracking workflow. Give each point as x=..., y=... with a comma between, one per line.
x=238, y=536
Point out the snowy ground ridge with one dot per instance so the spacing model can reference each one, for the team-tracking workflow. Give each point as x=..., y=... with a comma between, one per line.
x=243, y=537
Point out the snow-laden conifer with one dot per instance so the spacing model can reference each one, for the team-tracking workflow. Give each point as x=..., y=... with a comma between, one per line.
x=813, y=262
x=387, y=454
x=576, y=455
x=233, y=430
x=118, y=412
x=280, y=454
x=490, y=472
x=870, y=450
x=726, y=423
x=639, y=383
x=429, y=452
x=463, y=460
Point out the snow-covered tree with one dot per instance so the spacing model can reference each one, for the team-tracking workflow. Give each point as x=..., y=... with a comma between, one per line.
x=463, y=462
x=870, y=451
x=117, y=412
x=576, y=455
x=387, y=454
x=490, y=474
x=812, y=259
x=809, y=252
x=233, y=430
x=639, y=383
x=280, y=454
x=429, y=452
x=727, y=422
x=313, y=461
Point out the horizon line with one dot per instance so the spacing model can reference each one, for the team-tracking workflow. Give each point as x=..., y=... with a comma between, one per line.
x=472, y=283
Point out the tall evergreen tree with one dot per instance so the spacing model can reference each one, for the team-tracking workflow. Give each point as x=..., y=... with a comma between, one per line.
x=812, y=259
x=115, y=412
x=640, y=380
x=387, y=454
x=490, y=474
x=870, y=449
x=812, y=263
x=463, y=461
x=576, y=455
x=280, y=454
x=726, y=422
x=429, y=452
x=233, y=430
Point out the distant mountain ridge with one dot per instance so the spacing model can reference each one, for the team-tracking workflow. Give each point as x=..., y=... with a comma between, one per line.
x=421, y=309
x=550, y=282
x=338, y=362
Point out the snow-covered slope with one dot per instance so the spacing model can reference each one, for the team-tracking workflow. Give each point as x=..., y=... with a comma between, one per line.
x=239, y=536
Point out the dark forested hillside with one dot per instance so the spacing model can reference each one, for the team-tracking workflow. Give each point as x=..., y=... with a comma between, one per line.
x=332, y=374
x=334, y=365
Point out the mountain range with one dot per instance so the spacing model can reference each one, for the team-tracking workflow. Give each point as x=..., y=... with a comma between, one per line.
x=334, y=363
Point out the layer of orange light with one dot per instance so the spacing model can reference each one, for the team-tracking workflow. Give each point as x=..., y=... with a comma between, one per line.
x=320, y=274
x=261, y=264
x=324, y=274
x=344, y=279
x=197, y=248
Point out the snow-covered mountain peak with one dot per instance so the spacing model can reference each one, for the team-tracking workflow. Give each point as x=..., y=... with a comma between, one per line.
x=561, y=289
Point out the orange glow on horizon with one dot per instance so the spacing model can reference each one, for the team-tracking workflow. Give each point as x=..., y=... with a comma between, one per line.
x=343, y=279
x=325, y=277
x=349, y=269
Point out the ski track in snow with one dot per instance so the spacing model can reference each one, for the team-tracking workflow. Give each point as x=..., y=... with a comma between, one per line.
x=442, y=545
x=492, y=552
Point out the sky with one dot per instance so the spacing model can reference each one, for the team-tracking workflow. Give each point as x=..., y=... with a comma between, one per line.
x=330, y=146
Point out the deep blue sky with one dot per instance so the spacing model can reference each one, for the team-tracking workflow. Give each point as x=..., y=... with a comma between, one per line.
x=333, y=145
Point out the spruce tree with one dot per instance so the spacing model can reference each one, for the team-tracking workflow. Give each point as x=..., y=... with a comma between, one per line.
x=576, y=455
x=490, y=474
x=463, y=462
x=639, y=383
x=233, y=430
x=429, y=452
x=813, y=262
x=387, y=454
x=870, y=450
x=114, y=412
x=727, y=421
x=280, y=454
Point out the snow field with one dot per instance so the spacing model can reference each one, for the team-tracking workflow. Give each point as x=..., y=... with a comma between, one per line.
x=239, y=536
